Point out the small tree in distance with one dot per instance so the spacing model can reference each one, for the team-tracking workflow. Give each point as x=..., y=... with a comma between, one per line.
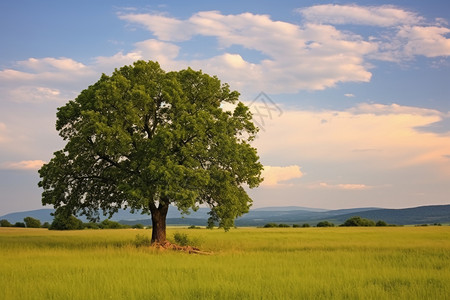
x=32, y=222
x=146, y=139
x=325, y=224
x=66, y=222
x=5, y=223
x=358, y=221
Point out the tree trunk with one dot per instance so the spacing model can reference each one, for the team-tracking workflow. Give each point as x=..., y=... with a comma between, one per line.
x=159, y=223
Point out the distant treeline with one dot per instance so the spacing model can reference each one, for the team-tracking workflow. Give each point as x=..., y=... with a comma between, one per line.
x=68, y=223
x=61, y=222
x=351, y=222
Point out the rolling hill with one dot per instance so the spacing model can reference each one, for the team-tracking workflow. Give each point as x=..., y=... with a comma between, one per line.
x=260, y=216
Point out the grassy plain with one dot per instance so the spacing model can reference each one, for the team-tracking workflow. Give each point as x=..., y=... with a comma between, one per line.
x=247, y=263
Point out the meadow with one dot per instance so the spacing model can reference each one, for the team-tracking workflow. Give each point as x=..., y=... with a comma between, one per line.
x=246, y=263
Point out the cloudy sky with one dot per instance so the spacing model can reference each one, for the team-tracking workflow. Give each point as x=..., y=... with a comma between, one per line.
x=352, y=98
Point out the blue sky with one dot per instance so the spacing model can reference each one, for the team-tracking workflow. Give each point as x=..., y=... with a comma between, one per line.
x=355, y=110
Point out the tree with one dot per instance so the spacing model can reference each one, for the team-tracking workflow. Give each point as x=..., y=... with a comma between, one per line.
x=145, y=139
x=46, y=225
x=325, y=224
x=381, y=223
x=63, y=221
x=32, y=222
x=5, y=223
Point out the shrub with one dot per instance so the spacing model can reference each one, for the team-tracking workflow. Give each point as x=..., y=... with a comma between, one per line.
x=5, y=223
x=194, y=227
x=32, y=222
x=306, y=225
x=138, y=226
x=283, y=225
x=295, y=225
x=142, y=241
x=325, y=224
x=270, y=225
x=181, y=239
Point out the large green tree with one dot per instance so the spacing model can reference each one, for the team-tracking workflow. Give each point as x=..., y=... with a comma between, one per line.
x=145, y=139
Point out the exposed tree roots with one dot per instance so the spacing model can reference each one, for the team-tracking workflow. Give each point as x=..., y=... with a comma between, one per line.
x=188, y=249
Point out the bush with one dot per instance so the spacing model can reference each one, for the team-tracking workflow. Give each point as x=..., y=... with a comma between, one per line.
x=295, y=225
x=32, y=222
x=64, y=222
x=138, y=226
x=283, y=225
x=142, y=241
x=305, y=225
x=194, y=227
x=358, y=221
x=181, y=239
x=5, y=223
x=270, y=225
x=325, y=224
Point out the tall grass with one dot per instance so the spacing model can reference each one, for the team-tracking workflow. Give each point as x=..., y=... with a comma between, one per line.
x=248, y=263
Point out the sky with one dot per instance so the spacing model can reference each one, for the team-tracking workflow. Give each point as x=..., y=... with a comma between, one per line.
x=352, y=98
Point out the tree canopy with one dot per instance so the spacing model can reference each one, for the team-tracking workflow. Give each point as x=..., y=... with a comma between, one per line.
x=144, y=138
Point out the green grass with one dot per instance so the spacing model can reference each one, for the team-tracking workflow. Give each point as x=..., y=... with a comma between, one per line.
x=247, y=263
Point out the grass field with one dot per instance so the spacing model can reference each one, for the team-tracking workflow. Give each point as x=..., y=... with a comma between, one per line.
x=247, y=263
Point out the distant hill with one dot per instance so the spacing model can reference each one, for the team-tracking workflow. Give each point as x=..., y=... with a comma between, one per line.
x=417, y=215
x=260, y=216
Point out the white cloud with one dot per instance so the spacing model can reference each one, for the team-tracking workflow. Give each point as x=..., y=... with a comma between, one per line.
x=407, y=34
x=384, y=15
x=35, y=94
x=312, y=57
x=427, y=41
x=165, y=28
x=276, y=176
x=50, y=64
x=23, y=165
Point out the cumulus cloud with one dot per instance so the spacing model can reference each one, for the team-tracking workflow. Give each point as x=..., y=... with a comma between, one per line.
x=23, y=165
x=312, y=55
x=49, y=64
x=407, y=34
x=277, y=176
x=428, y=41
x=379, y=136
